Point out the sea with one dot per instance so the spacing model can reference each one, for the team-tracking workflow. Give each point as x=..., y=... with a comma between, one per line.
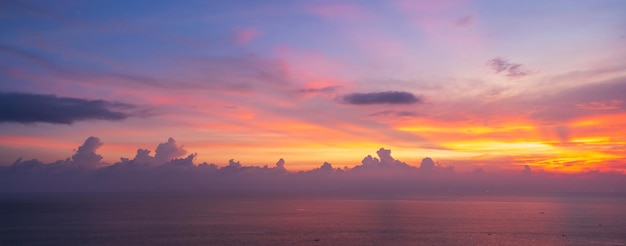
x=204, y=219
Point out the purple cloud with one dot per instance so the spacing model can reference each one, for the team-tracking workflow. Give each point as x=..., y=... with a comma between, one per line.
x=327, y=89
x=375, y=175
x=32, y=108
x=386, y=97
x=464, y=21
x=513, y=70
x=387, y=113
x=168, y=151
x=86, y=153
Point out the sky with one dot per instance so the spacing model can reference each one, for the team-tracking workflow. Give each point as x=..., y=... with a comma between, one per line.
x=500, y=86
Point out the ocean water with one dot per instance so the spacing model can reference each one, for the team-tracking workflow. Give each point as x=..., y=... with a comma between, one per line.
x=196, y=219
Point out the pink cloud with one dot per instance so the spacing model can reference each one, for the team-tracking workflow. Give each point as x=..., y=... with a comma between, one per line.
x=311, y=67
x=338, y=11
x=465, y=21
x=247, y=35
x=429, y=5
x=601, y=105
x=451, y=23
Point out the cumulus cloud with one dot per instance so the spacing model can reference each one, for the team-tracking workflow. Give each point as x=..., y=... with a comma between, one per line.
x=527, y=170
x=381, y=175
x=512, y=70
x=385, y=97
x=168, y=151
x=32, y=108
x=326, y=167
x=384, y=162
x=86, y=153
x=427, y=164
x=280, y=164
x=143, y=157
x=234, y=164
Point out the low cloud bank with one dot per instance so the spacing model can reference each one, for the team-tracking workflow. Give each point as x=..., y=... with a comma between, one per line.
x=172, y=169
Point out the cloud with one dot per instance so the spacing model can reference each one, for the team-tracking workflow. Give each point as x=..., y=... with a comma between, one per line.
x=338, y=11
x=580, y=101
x=230, y=73
x=32, y=108
x=388, y=113
x=327, y=89
x=527, y=170
x=513, y=70
x=168, y=151
x=386, y=97
x=246, y=35
x=86, y=153
x=80, y=74
x=464, y=21
x=384, y=159
x=602, y=105
x=381, y=175
x=427, y=164
x=563, y=132
x=280, y=164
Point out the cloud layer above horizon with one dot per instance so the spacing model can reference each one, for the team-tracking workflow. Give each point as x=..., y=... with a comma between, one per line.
x=494, y=85
x=169, y=170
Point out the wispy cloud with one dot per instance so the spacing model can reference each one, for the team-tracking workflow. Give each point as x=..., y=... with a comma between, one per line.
x=386, y=97
x=464, y=21
x=387, y=113
x=512, y=70
x=338, y=11
x=247, y=35
x=326, y=89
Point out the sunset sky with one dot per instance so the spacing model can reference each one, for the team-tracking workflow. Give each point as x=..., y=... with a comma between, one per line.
x=491, y=84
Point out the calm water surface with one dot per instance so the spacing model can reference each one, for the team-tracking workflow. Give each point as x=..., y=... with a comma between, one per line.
x=151, y=219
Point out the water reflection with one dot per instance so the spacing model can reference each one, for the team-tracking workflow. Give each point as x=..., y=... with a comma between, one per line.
x=204, y=220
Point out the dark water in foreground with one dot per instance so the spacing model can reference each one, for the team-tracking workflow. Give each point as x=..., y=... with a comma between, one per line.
x=151, y=219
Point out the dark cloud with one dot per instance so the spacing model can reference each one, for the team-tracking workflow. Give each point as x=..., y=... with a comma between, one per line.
x=513, y=70
x=386, y=97
x=280, y=164
x=527, y=170
x=86, y=153
x=33, y=108
x=427, y=164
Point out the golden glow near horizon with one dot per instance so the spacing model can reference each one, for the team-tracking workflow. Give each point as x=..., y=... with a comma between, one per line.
x=595, y=140
x=448, y=80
